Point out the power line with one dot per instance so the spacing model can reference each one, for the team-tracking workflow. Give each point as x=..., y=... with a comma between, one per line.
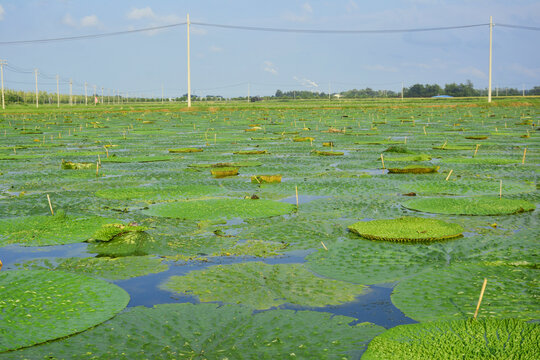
x=93, y=36
x=519, y=27
x=321, y=31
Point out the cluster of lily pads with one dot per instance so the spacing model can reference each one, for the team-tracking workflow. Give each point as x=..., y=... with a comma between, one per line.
x=426, y=200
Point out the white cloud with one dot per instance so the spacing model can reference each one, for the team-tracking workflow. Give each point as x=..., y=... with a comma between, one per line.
x=90, y=21
x=86, y=21
x=144, y=13
x=215, y=49
x=379, y=67
x=306, y=82
x=523, y=70
x=351, y=6
x=472, y=71
x=269, y=67
x=304, y=14
x=2, y=12
x=154, y=19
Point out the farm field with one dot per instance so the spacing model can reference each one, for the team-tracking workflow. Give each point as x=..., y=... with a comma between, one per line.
x=309, y=230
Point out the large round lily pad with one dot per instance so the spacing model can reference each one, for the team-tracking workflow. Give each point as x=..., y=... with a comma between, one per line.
x=104, y=267
x=159, y=193
x=460, y=339
x=208, y=331
x=49, y=230
x=41, y=305
x=406, y=229
x=220, y=209
x=470, y=206
x=263, y=286
x=452, y=293
x=466, y=187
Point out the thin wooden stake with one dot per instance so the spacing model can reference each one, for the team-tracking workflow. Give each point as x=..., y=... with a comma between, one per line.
x=296, y=190
x=50, y=205
x=524, y=154
x=107, y=151
x=215, y=139
x=97, y=168
x=425, y=133
x=450, y=173
x=382, y=160
x=324, y=246
x=500, y=190
x=476, y=150
x=98, y=159
x=480, y=299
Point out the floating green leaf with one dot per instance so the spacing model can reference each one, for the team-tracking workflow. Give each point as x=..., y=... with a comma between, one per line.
x=220, y=209
x=460, y=339
x=207, y=331
x=452, y=293
x=406, y=229
x=109, y=231
x=466, y=187
x=263, y=286
x=41, y=305
x=470, y=206
x=157, y=193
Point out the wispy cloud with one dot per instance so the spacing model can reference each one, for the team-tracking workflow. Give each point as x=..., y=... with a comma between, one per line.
x=379, y=67
x=85, y=21
x=303, y=15
x=351, y=6
x=523, y=70
x=269, y=67
x=215, y=49
x=472, y=71
x=2, y=12
x=306, y=82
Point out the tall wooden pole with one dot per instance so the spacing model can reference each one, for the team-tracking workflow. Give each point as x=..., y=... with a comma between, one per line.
x=71, y=92
x=57, y=91
x=2, y=63
x=37, y=93
x=490, y=55
x=188, y=68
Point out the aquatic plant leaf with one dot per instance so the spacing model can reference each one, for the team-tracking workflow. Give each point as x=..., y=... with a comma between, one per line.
x=255, y=248
x=406, y=229
x=207, y=331
x=459, y=339
x=109, y=231
x=41, y=305
x=452, y=293
x=465, y=187
x=220, y=209
x=414, y=169
x=263, y=286
x=42, y=230
x=158, y=193
x=470, y=206
x=103, y=267
x=134, y=243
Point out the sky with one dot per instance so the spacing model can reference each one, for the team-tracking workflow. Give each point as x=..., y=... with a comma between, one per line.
x=233, y=62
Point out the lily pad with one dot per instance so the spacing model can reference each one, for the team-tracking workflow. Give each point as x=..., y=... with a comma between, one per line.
x=460, y=339
x=157, y=193
x=41, y=305
x=208, y=331
x=466, y=187
x=406, y=229
x=185, y=150
x=414, y=169
x=133, y=243
x=46, y=230
x=419, y=157
x=220, y=209
x=262, y=286
x=103, y=267
x=452, y=293
x=255, y=248
x=470, y=206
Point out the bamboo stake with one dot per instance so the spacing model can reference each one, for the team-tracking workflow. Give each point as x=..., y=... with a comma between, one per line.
x=107, y=151
x=450, y=173
x=50, y=205
x=296, y=190
x=97, y=168
x=500, y=190
x=382, y=160
x=98, y=159
x=524, y=154
x=480, y=299
x=215, y=139
x=324, y=246
x=476, y=150
x=425, y=133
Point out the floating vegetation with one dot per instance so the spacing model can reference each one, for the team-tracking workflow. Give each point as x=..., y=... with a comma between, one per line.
x=42, y=305
x=303, y=139
x=479, y=137
x=109, y=231
x=251, y=152
x=454, y=147
x=119, y=268
x=327, y=153
x=398, y=149
x=132, y=243
x=157, y=193
x=406, y=229
x=466, y=187
x=227, y=164
x=43, y=230
x=68, y=165
x=262, y=286
x=452, y=293
x=470, y=206
x=220, y=209
x=255, y=248
x=221, y=172
x=185, y=150
x=460, y=339
x=265, y=179
x=414, y=169
x=210, y=331
x=482, y=161
x=136, y=159
x=419, y=157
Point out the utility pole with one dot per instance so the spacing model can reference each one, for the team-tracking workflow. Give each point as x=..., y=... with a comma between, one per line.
x=402, y=90
x=188, y=68
x=249, y=88
x=162, y=93
x=329, y=96
x=57, y=91
x=71, y=92
x=85, y=94
x=2, y=63
x=523, y=89
x=37, y=93
x=102, y=95
x=108, y=96
x=95, y=96
x=490, y=55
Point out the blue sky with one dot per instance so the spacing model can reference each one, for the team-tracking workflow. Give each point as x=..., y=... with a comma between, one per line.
x=225, y=61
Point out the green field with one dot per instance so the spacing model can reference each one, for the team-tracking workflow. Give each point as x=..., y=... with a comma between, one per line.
x=271, y=269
